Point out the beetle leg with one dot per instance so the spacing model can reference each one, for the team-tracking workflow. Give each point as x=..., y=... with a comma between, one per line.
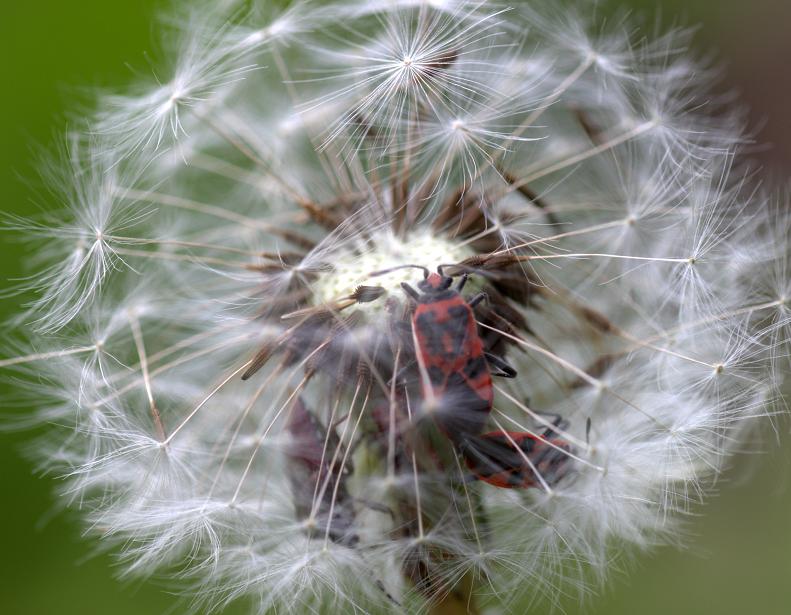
x=557, y=423
x=504, y=370
x=410, y=291
x=476, y=299
x=462, y=281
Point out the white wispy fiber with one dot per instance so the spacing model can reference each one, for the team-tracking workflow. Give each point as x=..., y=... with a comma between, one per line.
x=224, y=349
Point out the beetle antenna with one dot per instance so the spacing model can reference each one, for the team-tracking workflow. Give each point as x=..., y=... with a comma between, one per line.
x=441, y=272
x=456, y=269
x=384, y=271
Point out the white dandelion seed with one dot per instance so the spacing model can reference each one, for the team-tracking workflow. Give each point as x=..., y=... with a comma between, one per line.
x=226, y=335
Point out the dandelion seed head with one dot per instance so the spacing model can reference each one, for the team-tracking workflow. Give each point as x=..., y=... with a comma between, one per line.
x=392, y=306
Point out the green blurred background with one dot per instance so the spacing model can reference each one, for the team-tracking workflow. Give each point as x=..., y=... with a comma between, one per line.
x=53, y=52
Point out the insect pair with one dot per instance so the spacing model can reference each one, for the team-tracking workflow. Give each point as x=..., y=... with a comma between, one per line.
x=455, y=374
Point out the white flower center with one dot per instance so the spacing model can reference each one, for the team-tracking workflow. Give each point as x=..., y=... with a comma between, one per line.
x=353, y=269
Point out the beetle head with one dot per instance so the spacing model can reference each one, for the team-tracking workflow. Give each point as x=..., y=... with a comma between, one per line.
x=435, y=282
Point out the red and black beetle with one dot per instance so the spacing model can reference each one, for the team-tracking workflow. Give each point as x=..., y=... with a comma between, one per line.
x=455, y=375
x=456, y=384
x=516, y=459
